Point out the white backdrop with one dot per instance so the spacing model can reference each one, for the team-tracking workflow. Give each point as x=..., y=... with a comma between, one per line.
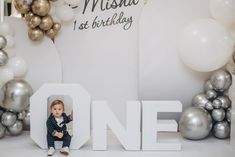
x=162, y=74
x=105, y=59
x=127, y=61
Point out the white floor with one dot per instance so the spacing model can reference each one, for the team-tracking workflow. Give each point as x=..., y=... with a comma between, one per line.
x=23, y=146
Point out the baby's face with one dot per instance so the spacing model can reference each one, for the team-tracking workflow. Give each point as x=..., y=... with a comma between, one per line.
x=57, y=110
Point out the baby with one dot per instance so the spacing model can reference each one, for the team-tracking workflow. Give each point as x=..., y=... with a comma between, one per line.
x=56, y=128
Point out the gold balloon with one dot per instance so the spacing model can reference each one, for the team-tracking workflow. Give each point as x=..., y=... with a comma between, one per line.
x=47, y=23
x=41, y=7
x=34, y=21
x=28, y=16
x=35, y=34
x=51, y=33
x=56, y=27
x=21, y=6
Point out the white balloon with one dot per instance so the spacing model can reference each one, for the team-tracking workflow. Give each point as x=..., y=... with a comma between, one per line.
x=205, y=45
x=6, y=74
x=10, y=41
x=223, y=10
x=6, y=29
x=65, y=13
x=18, y=65
x=52, y=10
x=56, y=19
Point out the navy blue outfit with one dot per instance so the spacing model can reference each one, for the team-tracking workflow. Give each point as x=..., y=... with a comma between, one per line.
x=52, y=128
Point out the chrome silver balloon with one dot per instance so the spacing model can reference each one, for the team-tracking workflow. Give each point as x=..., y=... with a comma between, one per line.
x=2, y=131
x=16, y=128
x=221, y=80
x=228, y=115
x=26, y=121
x=21, y=115
x=216, y=103
x=3, y=58
x=3, y=42
x=15, y=94
x=209, y=106
x=221, y=130
x=218, y=115
x=211, y=94
x=208, y=85
x=200, y=100
x=195, y=123
x=8, y=118
x=225, y=101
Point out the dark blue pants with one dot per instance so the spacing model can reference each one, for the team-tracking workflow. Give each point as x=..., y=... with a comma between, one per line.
x=51, y=140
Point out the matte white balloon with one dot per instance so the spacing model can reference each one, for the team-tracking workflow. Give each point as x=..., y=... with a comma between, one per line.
x=18, y=65
x=205, y=45
x=223, y=10
x=6, y=29
x=10, y=41
x=65, y=13
x=6, y=74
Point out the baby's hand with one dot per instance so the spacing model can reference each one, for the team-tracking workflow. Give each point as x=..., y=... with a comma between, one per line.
x=60, y=135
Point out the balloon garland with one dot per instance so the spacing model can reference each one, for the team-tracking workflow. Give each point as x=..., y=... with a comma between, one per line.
x=43, y=17
x=211, y=111
x=207, y=45
x=14, y=91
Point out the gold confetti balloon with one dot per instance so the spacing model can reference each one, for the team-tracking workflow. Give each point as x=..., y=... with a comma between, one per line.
x=35, y=34
x=51, y=33
x=22, y=6
x=41, y=7
x=47, y=23
x=34, y=22
x=57, y=27
x=28, y=16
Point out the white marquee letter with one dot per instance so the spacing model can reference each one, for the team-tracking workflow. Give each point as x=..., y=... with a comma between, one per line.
x=150, y=125
x=81, y=113
x=129, y=137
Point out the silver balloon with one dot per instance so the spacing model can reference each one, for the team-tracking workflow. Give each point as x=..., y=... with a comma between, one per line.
x=211, y=94
x=195, y=123
x=3, y=42
x=225, y=101
x=15, y=95
x=26, y=121
x=21, y=115
x=1, y=112
x=228, y=115
x=218, y=115
x=221, y=80
x=3, y=58
x=8, y=118
x=200, y=100
x=2, y=131
x=221, y=130
x=217, y=103
x=16, y=128
x=209, y=106
x=208, y=85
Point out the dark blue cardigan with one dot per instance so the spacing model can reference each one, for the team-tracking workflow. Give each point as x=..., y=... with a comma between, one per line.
x=52, y=126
